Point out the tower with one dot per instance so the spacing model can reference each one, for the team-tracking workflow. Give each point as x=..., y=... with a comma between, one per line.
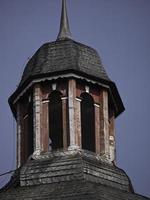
x=65, y=107
x=65, y=100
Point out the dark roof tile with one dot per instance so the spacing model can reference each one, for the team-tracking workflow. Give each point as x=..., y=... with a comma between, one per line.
x=64, y=55
x=81, y=172
x=73, y=190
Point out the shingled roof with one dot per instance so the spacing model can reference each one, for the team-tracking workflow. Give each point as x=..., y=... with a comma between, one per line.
x=63, y=58
x=64, y=55
x=70, y=175
x=73, y=190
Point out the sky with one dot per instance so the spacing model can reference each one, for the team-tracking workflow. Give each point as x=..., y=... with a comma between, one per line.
x=120, y=31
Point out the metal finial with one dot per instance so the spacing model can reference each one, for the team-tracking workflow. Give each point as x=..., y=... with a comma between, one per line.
x=64, y=31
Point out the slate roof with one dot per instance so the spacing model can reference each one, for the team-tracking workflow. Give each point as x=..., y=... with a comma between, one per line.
x=76, y=165
x=64, y=55
x=73, y=190
x=70, y=176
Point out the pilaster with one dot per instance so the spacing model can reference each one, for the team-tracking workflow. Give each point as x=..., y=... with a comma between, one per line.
x=78, y=122
x=112, y=138
x=72, y=116
x=65, y=122
x=97, y=128
x=45, y=126
x=104, y=126
x=18, y=135
x=37, y=118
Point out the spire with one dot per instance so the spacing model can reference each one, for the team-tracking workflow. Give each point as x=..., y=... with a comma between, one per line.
x=64, y=31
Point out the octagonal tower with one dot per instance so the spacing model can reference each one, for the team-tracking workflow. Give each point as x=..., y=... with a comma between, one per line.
x=65, y=100
x=65, y=107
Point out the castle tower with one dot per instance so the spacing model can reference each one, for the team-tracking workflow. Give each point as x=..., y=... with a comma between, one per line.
x=65, y=107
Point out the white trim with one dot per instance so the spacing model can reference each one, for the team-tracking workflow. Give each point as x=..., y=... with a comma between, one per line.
x=106, y=128
x=64, y=98
x=78, y=99
x=96, y=105
x=45, y=101
x=37, y=118
x=71, y=104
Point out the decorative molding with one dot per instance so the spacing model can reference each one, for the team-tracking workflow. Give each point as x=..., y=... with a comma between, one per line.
x=71, y=104
x=37, y=118
x=64, y=98
x=55, y=78
x=75, y=151
x=96, y=105
x=45, y=101
x=78, y=99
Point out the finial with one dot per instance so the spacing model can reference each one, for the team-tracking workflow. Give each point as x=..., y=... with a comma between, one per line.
x=64, y=31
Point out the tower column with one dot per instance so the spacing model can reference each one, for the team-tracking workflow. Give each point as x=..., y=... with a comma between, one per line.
x=18, y=135
x=64, y=118
x=112, y=138
x=37, y=118
x=45, y=125
x=72, y=115
x=97, y=128
x=104, y=124
x=78, y=122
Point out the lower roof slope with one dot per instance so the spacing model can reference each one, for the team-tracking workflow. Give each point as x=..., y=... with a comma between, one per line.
x=72, y=190
x=70, y=176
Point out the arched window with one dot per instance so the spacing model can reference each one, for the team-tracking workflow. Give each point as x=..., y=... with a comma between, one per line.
x=55, y=120
x=87, y=122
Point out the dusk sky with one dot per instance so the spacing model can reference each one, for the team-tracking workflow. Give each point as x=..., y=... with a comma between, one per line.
x=120, y=31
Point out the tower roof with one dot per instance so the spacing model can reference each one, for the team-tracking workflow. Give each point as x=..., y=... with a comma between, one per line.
x=62, y=56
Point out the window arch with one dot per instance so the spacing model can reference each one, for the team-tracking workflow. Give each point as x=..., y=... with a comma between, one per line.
x=87, y=122
x=55, y=120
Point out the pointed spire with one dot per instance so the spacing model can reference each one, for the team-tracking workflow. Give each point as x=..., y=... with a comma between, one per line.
x=64, y=31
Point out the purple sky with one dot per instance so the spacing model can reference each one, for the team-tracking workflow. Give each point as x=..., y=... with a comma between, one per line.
x=120, y=31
